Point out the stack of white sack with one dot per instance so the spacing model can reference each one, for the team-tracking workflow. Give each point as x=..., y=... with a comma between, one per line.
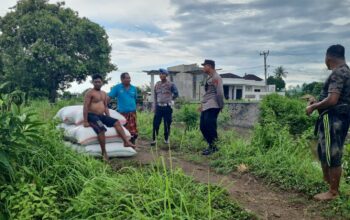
x=84, y=139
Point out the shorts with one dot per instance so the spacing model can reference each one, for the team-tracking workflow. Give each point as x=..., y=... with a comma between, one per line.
x=332, y=131
x=98, y=122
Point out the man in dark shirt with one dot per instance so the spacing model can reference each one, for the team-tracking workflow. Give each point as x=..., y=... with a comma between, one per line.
x=333, y=123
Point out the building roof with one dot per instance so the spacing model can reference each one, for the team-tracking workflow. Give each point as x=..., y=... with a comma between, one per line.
x=230, y=75
x=156, y=72
x=252, y=77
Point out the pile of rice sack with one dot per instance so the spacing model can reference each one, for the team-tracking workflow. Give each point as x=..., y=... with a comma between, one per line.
x=84, y=140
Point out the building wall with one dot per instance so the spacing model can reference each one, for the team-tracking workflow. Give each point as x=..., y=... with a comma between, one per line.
x=184, y=83
x=250, y=92
x=188, y=89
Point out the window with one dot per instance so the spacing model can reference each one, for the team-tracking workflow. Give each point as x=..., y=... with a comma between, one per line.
x=257, y=90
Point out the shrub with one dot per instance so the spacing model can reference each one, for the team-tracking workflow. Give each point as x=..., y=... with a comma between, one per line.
x=189, y=115
x=287, y=112
x=27, y=201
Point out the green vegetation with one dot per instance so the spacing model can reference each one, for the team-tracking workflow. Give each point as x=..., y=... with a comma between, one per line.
x=41, y=178
x=277, y=79
x=45, y=47
x=313, y=89
x=280, y=150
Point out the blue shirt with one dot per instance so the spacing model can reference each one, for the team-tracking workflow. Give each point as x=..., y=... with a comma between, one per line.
x=126, y=97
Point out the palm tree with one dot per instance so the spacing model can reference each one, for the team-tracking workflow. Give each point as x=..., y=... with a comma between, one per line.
x=280, y=72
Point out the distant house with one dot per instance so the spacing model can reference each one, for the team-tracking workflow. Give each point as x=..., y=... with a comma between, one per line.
x=190, y=80
x=249, y=87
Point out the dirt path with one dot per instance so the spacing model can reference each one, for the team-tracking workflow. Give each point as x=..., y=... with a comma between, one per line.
x=249, y=192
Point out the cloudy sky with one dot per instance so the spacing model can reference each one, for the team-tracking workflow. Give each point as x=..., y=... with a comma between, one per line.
x=160, y=33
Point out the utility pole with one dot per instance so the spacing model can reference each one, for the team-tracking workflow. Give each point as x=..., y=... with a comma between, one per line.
x=265, y=54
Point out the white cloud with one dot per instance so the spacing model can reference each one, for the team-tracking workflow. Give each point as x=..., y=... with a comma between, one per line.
x=159, y=33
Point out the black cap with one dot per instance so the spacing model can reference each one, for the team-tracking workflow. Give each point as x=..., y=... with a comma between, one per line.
x=209, y=62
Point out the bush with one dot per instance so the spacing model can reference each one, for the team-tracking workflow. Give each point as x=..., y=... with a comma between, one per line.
x=26, y=201
x=189, y=115
x=286, y=112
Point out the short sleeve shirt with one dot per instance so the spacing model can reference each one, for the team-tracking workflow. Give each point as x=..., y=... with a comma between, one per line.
x=165, y=92
x=213, y=96
x=338, y=82
x=126, y=98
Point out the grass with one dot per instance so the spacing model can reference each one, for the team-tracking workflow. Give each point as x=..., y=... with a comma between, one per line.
x=279, y=150
x=53, y=182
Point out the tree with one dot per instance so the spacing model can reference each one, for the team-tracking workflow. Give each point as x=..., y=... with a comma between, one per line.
x=279, y=82
x=46, y=47
x=280, y=72
x=313, y=88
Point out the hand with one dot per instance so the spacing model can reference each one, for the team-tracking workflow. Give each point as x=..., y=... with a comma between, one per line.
x=310, y=109
x=86, y=124
x=312, y=101
x=200, y=109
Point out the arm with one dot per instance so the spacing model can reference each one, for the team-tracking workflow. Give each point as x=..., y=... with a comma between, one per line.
x=87, y=101
x=328, y=102
x=154, y=98
x=174, y=91
x=136, y=95
x=334, y=90
x=219, y=92
x=106, y=104
x=112, y=94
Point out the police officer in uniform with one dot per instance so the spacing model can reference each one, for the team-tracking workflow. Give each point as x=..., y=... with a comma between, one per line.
x=164, y=94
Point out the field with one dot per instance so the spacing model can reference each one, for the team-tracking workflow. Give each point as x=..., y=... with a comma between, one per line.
x=43, y=179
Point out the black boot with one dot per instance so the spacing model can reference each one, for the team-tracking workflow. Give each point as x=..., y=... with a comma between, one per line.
x=210, y=150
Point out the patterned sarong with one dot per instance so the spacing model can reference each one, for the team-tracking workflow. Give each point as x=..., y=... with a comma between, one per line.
x=131, y=124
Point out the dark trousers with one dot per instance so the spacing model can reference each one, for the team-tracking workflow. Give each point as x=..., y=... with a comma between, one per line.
x=208, y=125
x=166, y=113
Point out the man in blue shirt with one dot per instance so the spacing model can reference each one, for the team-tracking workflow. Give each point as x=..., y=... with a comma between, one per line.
x=126, y=95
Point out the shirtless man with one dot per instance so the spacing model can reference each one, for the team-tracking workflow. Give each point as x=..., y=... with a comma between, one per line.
x=96, y=115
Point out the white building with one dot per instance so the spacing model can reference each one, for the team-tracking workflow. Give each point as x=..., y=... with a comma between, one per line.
x=190, y=79
x=248, y=87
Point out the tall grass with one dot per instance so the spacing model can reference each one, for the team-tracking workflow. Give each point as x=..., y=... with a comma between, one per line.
x=53, y=182
x=279, y=150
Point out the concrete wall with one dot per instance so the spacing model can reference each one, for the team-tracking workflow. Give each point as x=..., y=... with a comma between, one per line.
x=244, y=114
x=184, y=83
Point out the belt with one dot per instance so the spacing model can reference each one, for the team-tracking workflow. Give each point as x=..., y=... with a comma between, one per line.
x=164, y=104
